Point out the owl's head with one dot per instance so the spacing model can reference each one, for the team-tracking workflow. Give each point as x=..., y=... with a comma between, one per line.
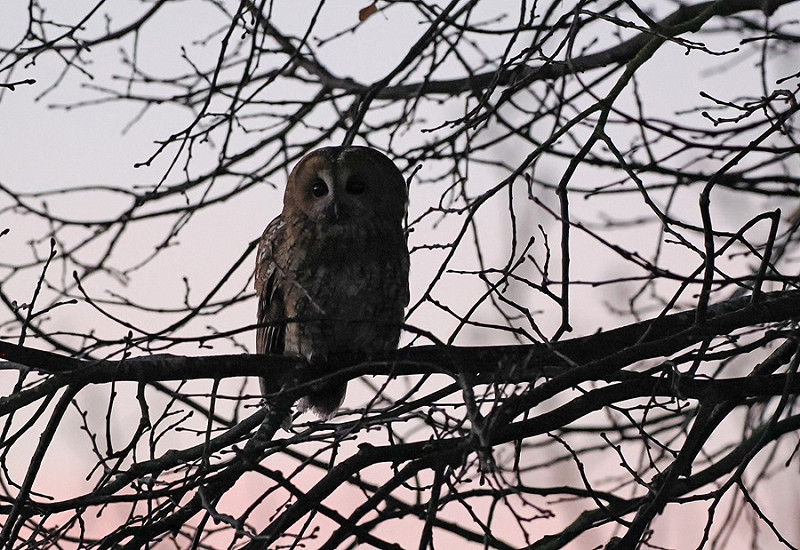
x=336, y=185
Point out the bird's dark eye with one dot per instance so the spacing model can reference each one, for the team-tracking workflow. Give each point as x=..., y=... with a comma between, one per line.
x=319, y=188
x=355, y=186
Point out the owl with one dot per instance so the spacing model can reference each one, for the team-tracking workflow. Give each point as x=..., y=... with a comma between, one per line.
x=332, y=269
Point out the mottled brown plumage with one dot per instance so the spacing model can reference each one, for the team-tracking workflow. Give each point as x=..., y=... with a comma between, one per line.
x=332, y=268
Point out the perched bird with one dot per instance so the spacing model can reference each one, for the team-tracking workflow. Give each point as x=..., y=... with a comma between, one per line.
x=332, y=269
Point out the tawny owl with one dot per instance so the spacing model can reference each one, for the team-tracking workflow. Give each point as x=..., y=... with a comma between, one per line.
x=332, y=269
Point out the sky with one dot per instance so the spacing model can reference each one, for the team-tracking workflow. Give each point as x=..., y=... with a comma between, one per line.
x=49, y=145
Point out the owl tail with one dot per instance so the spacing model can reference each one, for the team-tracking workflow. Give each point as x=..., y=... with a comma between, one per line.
x=324, y=400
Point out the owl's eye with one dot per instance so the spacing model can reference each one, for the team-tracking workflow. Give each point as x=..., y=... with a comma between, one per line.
x=355, y=186
x=319, y=188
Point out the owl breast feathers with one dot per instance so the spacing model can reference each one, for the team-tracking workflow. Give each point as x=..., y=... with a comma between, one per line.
x=332, y=269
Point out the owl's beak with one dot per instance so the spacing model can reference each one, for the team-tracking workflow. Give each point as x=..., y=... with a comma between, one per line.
x=332, y=212
x=336, y=212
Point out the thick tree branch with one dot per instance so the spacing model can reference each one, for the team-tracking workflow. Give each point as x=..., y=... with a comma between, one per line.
x=600, y=353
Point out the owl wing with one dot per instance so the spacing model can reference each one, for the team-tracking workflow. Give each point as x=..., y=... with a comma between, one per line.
x=271, y=310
